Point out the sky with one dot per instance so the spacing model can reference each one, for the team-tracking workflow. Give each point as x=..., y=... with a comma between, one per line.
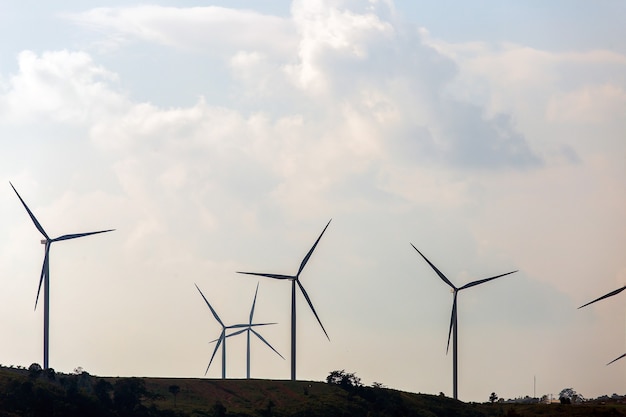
x=222, y=136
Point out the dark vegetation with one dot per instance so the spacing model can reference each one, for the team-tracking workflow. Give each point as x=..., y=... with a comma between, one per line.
x=37, y=392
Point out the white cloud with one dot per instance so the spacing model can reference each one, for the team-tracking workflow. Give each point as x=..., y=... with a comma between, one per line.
x=330, y=32
x=207, y=29
x=60, y=86
x=591, y=104
x=551, y=95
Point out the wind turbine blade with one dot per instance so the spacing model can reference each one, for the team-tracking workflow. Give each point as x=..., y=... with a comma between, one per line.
x=30, y=213
x=238, y=326
x=452, y=320
x=441, y=275
x=235, y=333
x=275, y=276
x=308, y=255
x=308, y=300
x=76, y=235
x=44, y=271
x=612, y=293
x=480, y=281
x=265, y=341
x=253, y=303
x=217, y=346
x=616, y=359
x=211, y=308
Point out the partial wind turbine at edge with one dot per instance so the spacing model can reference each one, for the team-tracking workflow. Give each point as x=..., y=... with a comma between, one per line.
x=611, y=294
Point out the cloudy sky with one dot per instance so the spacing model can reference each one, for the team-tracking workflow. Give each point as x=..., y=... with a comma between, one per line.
x=223, y=135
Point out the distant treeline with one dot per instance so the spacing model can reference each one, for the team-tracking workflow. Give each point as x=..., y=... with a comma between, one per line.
x=37, y=392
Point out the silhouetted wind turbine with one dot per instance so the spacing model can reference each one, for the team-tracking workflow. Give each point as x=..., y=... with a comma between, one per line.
x=45, y=274
x=453, y=318
x=222, y=339
x=295, y=280
x=249, y=330
x=612, y=293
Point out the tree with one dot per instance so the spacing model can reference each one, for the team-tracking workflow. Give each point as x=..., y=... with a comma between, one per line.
x=127, y=394
x=493, y=397
x=34, y=370
x=174, y=389
x=344, y=379
x=102, y=389
x=569, y=396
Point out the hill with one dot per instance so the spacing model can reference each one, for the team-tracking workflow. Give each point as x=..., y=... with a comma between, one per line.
x=39, y=393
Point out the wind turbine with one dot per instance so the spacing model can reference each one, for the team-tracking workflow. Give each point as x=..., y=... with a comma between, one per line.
x=249, y=330
x=453, y=317
x=612, y=293
x=222, y=339
x=45, y=274
x=295, y=280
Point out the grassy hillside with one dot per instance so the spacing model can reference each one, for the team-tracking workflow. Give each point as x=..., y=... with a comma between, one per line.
x=24, y=393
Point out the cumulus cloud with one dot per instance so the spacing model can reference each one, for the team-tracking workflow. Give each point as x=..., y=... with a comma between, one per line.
x=579, y=94
x=59, y=86
x=329, y=48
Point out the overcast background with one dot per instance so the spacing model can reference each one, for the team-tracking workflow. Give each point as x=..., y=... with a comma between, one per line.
x=222, y=136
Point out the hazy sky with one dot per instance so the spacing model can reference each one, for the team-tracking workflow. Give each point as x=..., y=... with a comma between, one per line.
x=222, y=136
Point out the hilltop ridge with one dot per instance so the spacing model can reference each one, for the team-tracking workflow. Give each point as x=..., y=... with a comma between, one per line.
x=36, y=392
